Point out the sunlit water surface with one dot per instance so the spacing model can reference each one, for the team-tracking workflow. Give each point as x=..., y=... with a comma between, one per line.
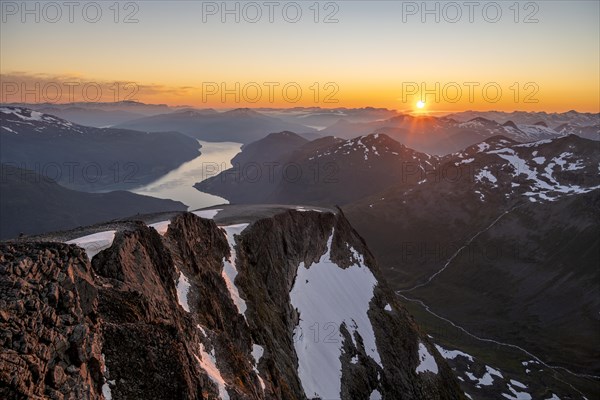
x=179, y=183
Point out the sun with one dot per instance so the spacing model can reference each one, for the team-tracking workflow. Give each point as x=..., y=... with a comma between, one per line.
x=420, y=104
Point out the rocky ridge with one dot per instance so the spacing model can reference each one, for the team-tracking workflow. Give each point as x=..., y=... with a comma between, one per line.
x=192, y=310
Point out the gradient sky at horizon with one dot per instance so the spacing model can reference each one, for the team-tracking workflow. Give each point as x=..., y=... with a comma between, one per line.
x=370, y=54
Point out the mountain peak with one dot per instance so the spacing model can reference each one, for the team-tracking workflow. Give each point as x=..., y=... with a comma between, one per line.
x=242, y=112
x=191, y=112
x=23, y=113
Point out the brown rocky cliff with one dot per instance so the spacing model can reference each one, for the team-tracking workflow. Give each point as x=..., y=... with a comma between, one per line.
x=71, y=330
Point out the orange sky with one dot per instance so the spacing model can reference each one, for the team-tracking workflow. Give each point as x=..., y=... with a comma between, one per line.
x=374, y=55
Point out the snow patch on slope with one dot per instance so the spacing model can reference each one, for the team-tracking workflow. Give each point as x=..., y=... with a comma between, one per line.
x=257, y=353
x=452, y=354
x=183, y=288
x=326, y=297
x=375, y=395
x=95, y=243
x=426, y=361
x=161, y=227
x=229, y=269
x=106, y=392
x=208, y=214
x=208, y=363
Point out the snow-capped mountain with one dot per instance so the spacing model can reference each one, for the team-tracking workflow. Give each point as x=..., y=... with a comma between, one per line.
x=19, y=120
x=529, y=133
x=87, y=158
x=97, y=114
x=589, y=132
x=363, y=166
x=289, y=306
x=541, y=171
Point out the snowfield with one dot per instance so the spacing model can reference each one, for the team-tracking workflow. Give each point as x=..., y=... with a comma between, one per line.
x=426, y=361
x=326, y=297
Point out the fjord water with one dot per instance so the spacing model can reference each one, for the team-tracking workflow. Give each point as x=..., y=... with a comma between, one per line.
x=179, y=183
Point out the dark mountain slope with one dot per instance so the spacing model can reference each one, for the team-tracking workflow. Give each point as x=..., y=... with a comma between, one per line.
x=86, y=158
x=269, y=148
x=32, y=204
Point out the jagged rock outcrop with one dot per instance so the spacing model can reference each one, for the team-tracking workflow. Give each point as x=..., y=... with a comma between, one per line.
x=273, y=309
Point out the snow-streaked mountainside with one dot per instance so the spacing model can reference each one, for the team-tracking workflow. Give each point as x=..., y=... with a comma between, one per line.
x=541, y=171
x=17, y=120
x=589, y=132
x=87, y=158
x=484, y=381
x=496, y=248
x=530, y=133
x=331, y=171
x=484, y=128
x=372, y=147
x=289, y=306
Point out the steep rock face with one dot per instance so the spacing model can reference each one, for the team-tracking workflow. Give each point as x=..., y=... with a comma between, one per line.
x=206, y=312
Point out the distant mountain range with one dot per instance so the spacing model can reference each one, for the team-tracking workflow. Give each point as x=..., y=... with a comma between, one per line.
x=108, y=114
x=322, y=117
x=99, y=115
x=32, y=204
x=444, y=135
x=240, y=125
x=87, y=158
x=552, y=120
x=433, y=135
